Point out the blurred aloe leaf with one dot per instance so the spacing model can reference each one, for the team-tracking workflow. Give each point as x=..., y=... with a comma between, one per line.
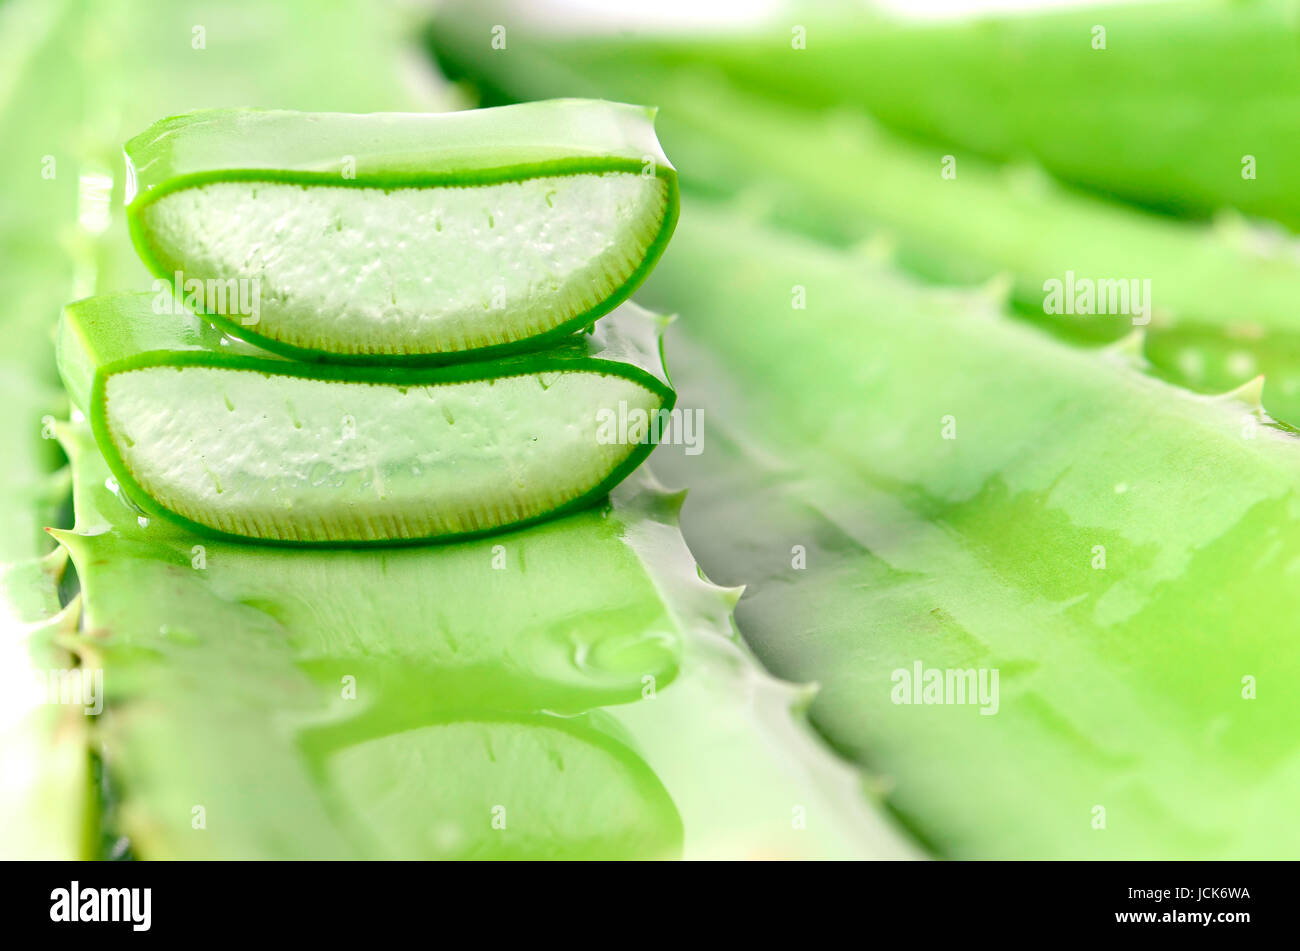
x=1158, y=103
x=1219, y=305
x=904, y=475
x=44, y=758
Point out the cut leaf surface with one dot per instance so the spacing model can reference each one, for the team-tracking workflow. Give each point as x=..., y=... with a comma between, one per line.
x=373, y=237
x=259, y=447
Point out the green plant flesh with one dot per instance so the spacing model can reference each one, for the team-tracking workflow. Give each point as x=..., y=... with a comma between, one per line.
x=226, y=439
x=1120, y=550
x=374, y=237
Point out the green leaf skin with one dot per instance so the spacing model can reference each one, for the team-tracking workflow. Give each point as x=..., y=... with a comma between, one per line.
x=579, y=674
x=1223, y=295
x=1121, y=686
x=390, y=461
x=347, y=193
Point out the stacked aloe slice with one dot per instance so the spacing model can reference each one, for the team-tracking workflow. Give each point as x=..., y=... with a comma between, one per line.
x=372, y=329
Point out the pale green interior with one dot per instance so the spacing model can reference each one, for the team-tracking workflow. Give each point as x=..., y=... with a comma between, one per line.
x=411, y=270
x=295, y=459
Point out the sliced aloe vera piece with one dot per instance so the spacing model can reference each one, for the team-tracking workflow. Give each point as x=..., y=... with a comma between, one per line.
x=228, y=440
x=423, y=236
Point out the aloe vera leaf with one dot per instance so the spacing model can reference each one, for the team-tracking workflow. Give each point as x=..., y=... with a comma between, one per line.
x=44, y=776
x=36, y=274
x=1221, y=295
x=390, y=236
x=226, y=664
x=1165, y=115
x=237, y=443
x=1119, y=549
